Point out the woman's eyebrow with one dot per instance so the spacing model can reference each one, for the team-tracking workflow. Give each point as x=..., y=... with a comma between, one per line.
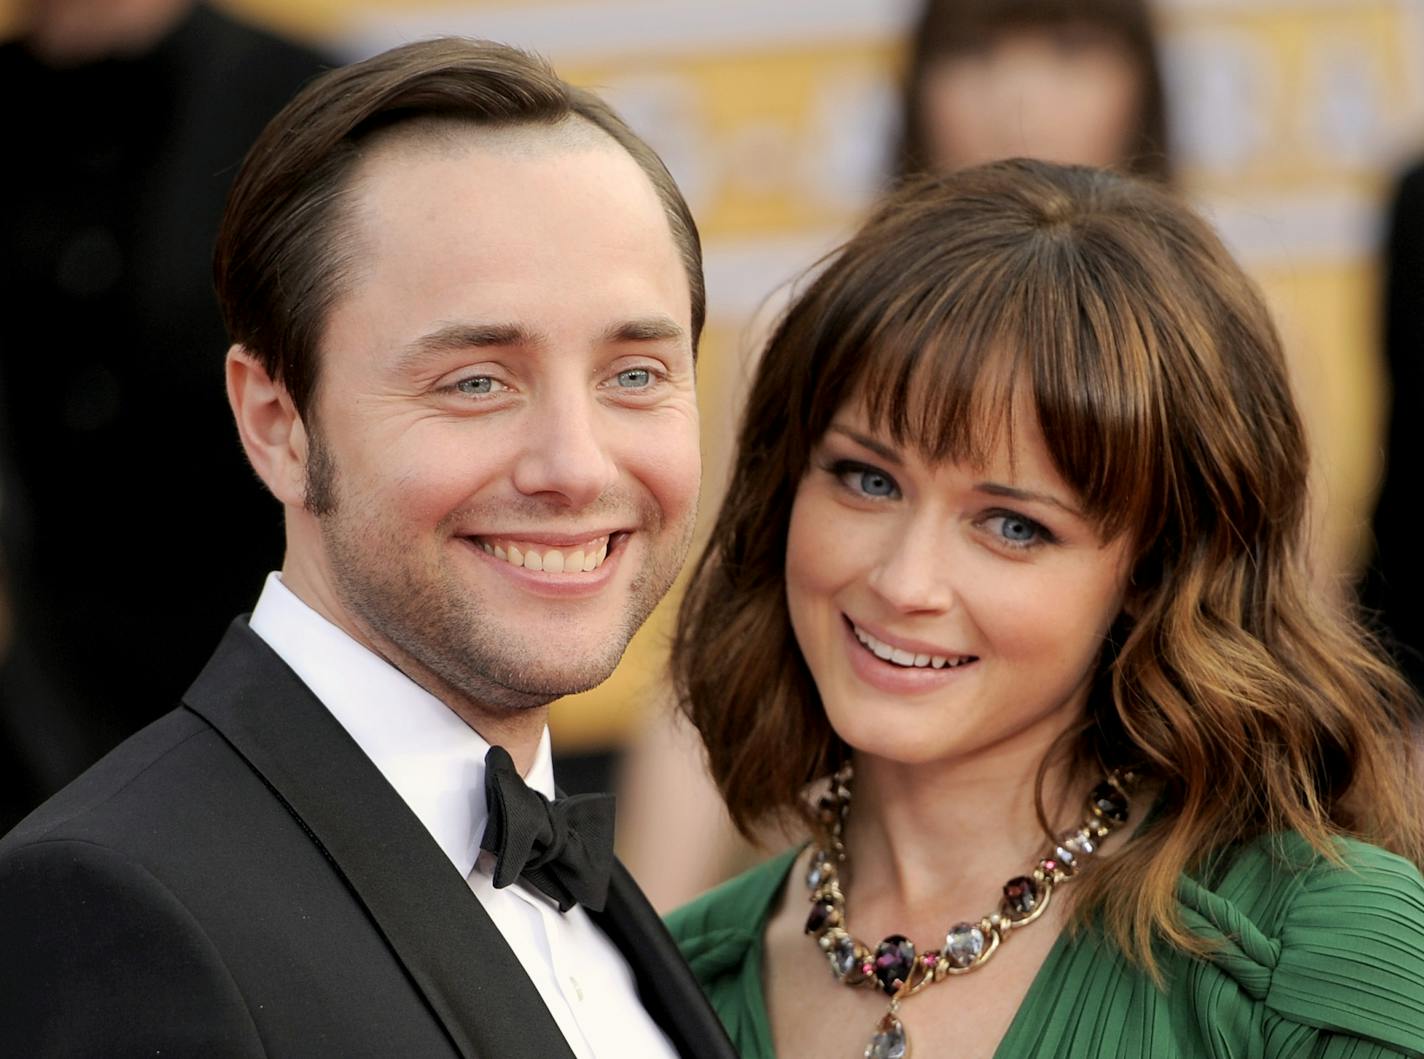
x=1014, y=493
x=880, y=449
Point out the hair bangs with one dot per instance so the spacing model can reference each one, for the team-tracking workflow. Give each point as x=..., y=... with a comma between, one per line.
x=948, y=366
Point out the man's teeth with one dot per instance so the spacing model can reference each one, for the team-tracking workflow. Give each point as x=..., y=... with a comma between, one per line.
x=900, y=657
x=580, y=559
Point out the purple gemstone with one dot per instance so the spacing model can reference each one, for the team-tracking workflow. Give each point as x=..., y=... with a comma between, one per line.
x=1021, y=895
x=820, y=917
x=1109, y=801
x=894, y=959
x=1067, y=863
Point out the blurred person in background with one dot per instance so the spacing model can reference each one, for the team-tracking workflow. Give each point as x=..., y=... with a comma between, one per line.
x=125, y=122
x=1073, y=81
x=1394, y=587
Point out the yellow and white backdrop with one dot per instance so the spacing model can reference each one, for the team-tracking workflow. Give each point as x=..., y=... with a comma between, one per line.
x=1288, y=116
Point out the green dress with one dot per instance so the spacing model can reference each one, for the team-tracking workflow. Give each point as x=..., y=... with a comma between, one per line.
x=1312, y=960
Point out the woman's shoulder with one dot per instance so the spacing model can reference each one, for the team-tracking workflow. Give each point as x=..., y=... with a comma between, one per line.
x=1335, y=946
x=721, y=935
x=733, y=913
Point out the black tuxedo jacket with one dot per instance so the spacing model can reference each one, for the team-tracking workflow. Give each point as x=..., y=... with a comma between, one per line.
x=238, y=879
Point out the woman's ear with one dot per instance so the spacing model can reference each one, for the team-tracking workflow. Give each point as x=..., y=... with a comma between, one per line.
x=272, y=433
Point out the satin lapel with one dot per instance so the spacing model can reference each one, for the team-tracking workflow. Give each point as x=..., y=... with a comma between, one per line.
x=473, y=982
x=666, y=985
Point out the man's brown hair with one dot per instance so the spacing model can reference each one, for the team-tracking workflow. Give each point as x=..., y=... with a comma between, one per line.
x=283, y=253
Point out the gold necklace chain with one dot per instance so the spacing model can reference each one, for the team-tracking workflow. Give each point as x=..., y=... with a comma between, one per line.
x=895, y=966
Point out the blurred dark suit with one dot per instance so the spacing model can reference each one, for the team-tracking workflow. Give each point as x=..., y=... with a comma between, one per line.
x=1395, y=585
x=132, y=527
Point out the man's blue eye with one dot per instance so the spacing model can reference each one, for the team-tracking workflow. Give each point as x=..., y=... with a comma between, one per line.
x=478, y=385
x=634, y=378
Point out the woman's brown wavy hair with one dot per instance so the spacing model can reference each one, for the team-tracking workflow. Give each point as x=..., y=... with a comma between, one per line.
x=1158, y=380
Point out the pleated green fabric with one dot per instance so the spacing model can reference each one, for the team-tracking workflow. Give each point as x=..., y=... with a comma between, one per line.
x=1309, y=959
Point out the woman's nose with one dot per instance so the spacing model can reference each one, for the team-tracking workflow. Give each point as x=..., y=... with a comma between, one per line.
x=915, y=572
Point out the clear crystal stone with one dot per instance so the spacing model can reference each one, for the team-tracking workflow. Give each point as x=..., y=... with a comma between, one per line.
x=888, y=1042
x=963, y=944
x=843, y=956
x=1080, y=842
x=818, y=873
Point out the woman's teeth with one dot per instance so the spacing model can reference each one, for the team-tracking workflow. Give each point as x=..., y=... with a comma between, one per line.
x=900, y=657
x=579, y=559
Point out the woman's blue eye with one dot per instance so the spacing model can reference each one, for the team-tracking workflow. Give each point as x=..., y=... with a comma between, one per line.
x=1017, y=531
x=873, y=483
x=866, y=481
x=635, y=378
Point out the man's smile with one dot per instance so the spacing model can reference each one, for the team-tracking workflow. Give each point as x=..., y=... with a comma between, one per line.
x=584, y=556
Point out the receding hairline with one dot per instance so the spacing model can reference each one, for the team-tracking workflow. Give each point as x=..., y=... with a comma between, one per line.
x=451, y=137
x=448, y=137
x=454, y=134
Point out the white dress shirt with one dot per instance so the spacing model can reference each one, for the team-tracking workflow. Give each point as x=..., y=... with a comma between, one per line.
x=436, y=763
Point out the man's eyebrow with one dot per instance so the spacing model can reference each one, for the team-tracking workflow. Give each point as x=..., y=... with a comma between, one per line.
x=454, y=337
x=645, y=329
x=1014, y=493
x=880, y=449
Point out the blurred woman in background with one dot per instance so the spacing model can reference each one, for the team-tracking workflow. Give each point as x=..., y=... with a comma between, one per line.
x=1074, y=81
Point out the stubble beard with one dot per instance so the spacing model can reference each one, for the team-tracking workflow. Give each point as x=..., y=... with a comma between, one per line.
x=432, y=626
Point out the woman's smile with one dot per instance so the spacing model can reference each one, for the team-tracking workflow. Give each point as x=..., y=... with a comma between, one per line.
x=943, y=607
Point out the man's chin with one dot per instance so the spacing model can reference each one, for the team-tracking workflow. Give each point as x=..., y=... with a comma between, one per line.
x=528, y=687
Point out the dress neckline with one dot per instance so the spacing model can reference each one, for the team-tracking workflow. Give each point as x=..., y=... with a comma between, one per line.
x=1023, y=1028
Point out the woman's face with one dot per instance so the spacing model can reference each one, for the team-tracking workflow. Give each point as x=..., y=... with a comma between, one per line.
x=1067, y=93
x=946, y=610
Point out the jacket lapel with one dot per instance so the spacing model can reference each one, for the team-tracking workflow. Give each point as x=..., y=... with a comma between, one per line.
x=471, y=979
x=666, y=985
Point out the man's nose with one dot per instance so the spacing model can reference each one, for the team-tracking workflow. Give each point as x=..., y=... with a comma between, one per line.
x=915, y=570
x=565, y=452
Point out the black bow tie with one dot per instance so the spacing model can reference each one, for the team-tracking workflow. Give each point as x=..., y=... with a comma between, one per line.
x=564, y=847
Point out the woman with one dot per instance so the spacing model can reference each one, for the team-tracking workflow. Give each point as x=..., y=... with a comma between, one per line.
x=1010, y=572
x=1063, y=80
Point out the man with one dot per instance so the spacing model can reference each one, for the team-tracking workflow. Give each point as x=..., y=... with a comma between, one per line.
x=465, y=301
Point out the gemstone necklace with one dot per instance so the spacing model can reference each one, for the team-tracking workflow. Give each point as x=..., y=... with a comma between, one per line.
x=894, y=965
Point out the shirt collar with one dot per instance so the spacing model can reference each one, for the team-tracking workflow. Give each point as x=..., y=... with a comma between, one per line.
x=434, y=760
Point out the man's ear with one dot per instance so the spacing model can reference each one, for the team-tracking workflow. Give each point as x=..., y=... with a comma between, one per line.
x=272, y=432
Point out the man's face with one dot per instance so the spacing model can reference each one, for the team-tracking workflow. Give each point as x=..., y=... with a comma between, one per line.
x=505, y=424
